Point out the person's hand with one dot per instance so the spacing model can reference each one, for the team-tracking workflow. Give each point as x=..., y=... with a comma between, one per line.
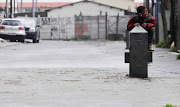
x=144, y=25
x=136, y=24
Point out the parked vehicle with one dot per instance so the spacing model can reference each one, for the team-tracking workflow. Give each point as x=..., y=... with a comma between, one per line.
x=32, y=28
x=12, y=29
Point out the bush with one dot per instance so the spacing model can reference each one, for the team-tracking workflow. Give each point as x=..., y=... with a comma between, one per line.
x=174, y=49
x=163, y=45
x=79, y=38
x=178, y=56
x=169, y=105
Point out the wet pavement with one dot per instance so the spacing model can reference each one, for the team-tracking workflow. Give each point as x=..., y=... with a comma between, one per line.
x=84, y=74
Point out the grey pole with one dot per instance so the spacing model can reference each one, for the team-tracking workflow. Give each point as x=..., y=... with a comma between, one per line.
x=36, y=6
x=147, y=4
x=21, y=6
x=152, y=7
x=7, y=8
x=33, y=13
x=14, y=6
x=157, y=22
x=10, y=8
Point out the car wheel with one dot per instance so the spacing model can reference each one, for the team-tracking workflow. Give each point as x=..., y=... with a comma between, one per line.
x=35, y=40
x=38, y=41
x=38, y=38
x=12, y=40
x=21, y=39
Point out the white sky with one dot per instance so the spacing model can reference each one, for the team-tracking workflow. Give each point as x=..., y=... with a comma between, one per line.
x=44, y=0
x=138, y=1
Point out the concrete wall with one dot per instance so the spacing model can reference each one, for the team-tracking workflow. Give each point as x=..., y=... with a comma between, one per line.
x=86, y=8
x=57, y=28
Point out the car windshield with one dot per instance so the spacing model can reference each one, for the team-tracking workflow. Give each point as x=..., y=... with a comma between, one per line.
x=28, y=23
x=11, y=23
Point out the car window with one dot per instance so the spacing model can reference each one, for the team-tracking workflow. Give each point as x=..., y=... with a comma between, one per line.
x=11, y=23
x=28, y=23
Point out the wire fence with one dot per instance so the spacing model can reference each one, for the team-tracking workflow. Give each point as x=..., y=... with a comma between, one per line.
x=92, y=27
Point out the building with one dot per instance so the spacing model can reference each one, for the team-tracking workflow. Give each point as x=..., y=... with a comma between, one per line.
x=27, y=6
x=1, y=13
x=129, y=5
x=90, y=8
x=91, y=19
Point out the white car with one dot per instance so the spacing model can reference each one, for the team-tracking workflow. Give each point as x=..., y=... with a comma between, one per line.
x=12, y=29
x=32, y=28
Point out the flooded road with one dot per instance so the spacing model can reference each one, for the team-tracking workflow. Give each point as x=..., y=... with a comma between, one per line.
x=84, y=74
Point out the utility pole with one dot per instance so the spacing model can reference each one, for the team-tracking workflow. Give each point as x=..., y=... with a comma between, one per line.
x=21, y=6
x=33, y=13
x=10, y=8
x=147, y=4
x=7, y=9
x=36, y=6
x=14, y=6
x=152, y=7
x=157, y=22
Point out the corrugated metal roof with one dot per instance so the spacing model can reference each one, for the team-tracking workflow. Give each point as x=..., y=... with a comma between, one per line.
x=123, y=4
x=40, y=4
x=105, y=4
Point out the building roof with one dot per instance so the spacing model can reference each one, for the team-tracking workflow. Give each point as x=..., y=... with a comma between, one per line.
x=88, y=1
x=123, y=4
x=40, y=4
x=2, y=5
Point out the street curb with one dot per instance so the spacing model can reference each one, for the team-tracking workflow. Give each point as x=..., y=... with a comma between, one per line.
x=6, y=44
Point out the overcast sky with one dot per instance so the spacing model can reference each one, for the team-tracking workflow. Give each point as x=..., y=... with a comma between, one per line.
x=57, y=0
x=44, y=0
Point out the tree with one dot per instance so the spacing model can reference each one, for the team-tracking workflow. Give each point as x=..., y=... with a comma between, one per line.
x=173, y=19
x=163, y=12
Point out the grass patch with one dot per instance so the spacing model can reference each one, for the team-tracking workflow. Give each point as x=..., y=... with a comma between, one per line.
x=178, y=57
x=169, y=105
x=80, y=38
x=163, y=45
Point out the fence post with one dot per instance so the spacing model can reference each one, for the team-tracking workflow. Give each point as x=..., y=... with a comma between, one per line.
x=98, y=26
x=106, y=32
x=82, y=25
x=59, y=27
x=117, y=24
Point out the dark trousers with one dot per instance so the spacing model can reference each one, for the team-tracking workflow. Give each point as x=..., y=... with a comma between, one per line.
x=150, y=34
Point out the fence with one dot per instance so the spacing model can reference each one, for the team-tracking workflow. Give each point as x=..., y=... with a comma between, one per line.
x=93, y=27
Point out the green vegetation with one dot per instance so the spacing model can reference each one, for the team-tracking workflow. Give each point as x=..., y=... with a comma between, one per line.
x=80, y=38
x=163, y=45
x=174, y=49
x=178, y=57
x=169, y=105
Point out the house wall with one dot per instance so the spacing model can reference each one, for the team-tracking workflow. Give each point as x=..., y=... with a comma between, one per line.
x=86, y=8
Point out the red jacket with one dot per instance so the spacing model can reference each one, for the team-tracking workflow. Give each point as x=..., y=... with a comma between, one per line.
x=150, y=20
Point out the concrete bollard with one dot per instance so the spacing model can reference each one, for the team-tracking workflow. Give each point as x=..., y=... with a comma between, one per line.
x=139, y=56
